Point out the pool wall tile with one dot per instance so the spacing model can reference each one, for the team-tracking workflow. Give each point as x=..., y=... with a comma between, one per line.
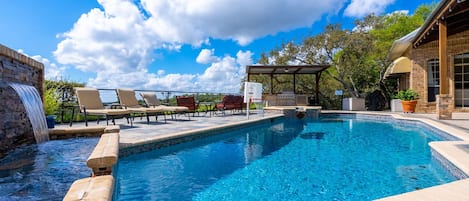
x=456, y=172
x=185, y=137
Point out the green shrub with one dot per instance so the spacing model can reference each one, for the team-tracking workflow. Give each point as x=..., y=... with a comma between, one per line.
x=407, y=95
x=51, y=101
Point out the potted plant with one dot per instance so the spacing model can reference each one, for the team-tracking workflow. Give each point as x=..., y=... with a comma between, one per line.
x=51, y=105
x=408, y=99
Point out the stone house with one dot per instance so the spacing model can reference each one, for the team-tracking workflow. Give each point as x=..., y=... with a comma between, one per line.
x=433, y=60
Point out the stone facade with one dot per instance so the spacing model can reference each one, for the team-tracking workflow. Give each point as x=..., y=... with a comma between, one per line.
x=457, y=44
x=15, y=128
x=444, y=108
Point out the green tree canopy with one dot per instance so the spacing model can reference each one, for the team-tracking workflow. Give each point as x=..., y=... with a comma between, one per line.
x=358, y=57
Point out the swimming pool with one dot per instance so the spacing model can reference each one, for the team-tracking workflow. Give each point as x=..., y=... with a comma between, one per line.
x=44, y=171
x=331, y=159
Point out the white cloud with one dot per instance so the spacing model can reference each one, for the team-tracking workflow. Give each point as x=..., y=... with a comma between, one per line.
x=360, y=8
x=51, y=70
x=206, y=56
x=193, y=22
x=160, y=72
x=223, y=75
x=403, y=12
x=118, y=41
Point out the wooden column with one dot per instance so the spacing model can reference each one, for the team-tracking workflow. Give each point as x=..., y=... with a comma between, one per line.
x=443, y=55
x=294, y=83
x=318, y=76
x=443, y=100
x=271, y=83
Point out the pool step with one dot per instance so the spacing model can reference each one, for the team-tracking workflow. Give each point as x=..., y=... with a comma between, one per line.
x=93, y=188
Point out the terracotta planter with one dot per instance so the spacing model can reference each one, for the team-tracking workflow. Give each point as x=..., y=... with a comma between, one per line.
x=409, y=106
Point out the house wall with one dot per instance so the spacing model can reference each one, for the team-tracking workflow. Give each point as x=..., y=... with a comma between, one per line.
x=15, y=128
x=457, y=44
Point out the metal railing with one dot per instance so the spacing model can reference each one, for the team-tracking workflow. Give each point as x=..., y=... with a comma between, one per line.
x=110, y=95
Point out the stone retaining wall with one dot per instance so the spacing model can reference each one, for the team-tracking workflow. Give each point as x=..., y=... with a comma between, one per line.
x=15, y=128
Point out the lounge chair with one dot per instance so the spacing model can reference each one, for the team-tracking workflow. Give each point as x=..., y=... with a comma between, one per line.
x=189, y=102
x=90, y=103
x=128, y=100
x=231, y=102
x=151, y=100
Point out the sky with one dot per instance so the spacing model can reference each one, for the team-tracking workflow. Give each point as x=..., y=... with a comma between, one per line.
x=179, y=45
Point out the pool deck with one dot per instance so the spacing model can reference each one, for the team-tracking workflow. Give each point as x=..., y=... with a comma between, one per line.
x=142, y=132
x=455, y=151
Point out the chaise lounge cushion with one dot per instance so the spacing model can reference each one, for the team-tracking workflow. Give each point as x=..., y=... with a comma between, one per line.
x=152, y=101
x=231, y=102
x=88, y=98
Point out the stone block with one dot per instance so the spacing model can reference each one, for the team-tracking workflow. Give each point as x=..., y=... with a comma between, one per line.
x=94, y=188
x=104, y=155
x=443, y=106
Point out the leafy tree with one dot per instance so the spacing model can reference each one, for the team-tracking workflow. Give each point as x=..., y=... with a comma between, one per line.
x=387, y=29
x=58, y=95
x=358, y=57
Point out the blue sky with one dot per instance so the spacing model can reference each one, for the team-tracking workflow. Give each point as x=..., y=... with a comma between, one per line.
x=186, y=45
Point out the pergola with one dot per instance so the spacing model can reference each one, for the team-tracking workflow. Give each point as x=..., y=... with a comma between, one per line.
x=293, y=70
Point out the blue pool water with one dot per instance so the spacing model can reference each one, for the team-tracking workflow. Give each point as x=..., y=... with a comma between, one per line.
x=44, y=171
x=331, y=159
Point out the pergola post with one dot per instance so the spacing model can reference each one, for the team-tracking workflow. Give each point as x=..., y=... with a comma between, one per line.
x=316, y=97
x=294, y=83
x=443, y=52
x=271, y=83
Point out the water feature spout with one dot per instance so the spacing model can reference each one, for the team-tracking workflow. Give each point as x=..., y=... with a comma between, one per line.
x=33, y=105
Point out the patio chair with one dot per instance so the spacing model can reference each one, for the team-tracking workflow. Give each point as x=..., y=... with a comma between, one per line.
x=231, y=102
x=189, y=102
x=151, y=100
x=90, y=103
x=128, y=100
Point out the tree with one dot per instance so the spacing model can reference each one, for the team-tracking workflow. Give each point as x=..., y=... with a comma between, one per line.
x=387, y=29
x=358, y=57
x=347, y=52
x=58, y=95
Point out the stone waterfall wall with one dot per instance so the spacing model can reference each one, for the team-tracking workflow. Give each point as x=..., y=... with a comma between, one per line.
x=15, y=128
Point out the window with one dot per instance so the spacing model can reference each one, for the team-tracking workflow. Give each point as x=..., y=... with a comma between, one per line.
x=433, y=69
x=461, y=80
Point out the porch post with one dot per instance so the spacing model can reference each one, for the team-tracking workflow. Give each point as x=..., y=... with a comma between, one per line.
x=318, y=76
x=271, y=83
x=443, y=55
x=443, y=106
x=294, y=83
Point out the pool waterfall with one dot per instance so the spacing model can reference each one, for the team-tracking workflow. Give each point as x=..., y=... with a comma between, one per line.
x=34, y=109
